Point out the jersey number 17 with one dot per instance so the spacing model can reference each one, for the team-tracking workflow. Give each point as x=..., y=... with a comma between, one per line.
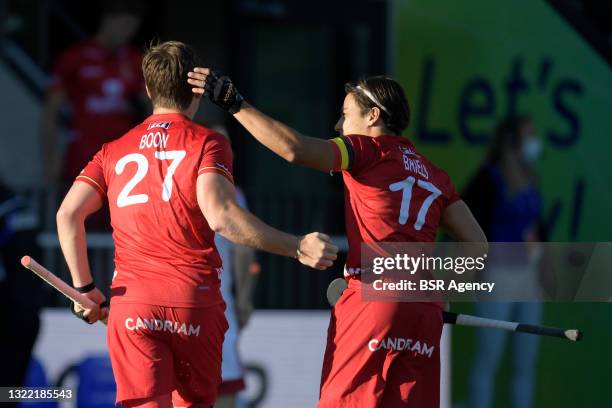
x=406, y=186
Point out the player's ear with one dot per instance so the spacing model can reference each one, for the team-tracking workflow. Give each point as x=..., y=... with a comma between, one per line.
x=373, y=115
x=148, y=93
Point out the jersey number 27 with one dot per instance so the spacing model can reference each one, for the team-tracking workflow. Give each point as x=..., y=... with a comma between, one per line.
x=124, y=198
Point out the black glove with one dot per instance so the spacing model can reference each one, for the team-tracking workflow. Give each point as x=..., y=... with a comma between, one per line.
x=223, y=93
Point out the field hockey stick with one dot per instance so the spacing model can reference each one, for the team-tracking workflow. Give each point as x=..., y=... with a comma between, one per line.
x=61, y=286
x=337, y=287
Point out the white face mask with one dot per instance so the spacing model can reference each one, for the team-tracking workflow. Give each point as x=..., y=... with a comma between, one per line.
x=531, y=150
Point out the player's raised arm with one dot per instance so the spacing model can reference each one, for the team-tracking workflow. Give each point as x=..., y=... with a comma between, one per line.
x=281, y=139
x=286, y=142
x=217, y=200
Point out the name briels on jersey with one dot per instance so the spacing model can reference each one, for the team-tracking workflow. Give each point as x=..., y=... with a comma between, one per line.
x=413, y=164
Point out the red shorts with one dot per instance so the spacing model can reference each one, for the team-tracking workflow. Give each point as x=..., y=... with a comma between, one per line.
x=157, y=350
x=381, y=354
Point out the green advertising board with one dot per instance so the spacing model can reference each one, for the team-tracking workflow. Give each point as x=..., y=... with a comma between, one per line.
x=467, y=64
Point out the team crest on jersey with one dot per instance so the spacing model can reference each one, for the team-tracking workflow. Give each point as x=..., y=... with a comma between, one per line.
x=164, y=125
x=408, y=152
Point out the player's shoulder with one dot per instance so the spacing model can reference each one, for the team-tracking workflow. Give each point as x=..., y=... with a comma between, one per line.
x=202, y=131
x=197, y=128
x=204, y=137
x=359, y=144
x=383, y=142
x=397, y=145
x=213, y=135
x=437, y=174
x=358, y=139
x=409, y=149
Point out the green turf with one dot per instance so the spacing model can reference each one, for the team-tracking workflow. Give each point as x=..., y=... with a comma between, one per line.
x=568, y=374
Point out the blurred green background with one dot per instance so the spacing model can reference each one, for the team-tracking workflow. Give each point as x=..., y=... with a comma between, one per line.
x=466, y=65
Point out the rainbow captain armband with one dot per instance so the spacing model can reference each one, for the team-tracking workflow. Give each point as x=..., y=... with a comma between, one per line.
x=343, y=153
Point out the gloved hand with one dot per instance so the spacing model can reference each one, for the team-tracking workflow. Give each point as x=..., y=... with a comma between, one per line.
x=219, y=89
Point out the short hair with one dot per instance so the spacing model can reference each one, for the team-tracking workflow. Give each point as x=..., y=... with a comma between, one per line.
x=387, y=95
x=165, y=67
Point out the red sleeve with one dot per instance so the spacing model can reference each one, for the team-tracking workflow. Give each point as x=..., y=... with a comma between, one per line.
x=353, y=153
x=217, y=156
x=93, y=173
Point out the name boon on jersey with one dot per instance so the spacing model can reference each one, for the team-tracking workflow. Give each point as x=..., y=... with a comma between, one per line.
x=415, y=166
x=162, y=325
x=154, y=139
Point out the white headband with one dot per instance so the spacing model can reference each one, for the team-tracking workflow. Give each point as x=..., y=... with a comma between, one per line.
x=372, y=98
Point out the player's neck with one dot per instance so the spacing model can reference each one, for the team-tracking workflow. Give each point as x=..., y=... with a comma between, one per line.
x=377, y=131
x=189, y=112
x=160, y=110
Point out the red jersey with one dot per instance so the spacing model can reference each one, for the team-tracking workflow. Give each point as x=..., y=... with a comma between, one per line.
x=164, y=248
x=392, y=192
x=99, y=84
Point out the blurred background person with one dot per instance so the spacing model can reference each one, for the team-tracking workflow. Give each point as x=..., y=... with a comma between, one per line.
x=21, y=294
x=238, y=280
x=505, y=199
x=100, y=81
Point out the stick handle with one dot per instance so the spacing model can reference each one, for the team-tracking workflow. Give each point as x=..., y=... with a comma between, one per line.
x=474, y=321
x=61, y=286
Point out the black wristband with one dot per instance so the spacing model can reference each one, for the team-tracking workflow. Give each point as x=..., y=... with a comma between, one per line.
x=86, y=288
